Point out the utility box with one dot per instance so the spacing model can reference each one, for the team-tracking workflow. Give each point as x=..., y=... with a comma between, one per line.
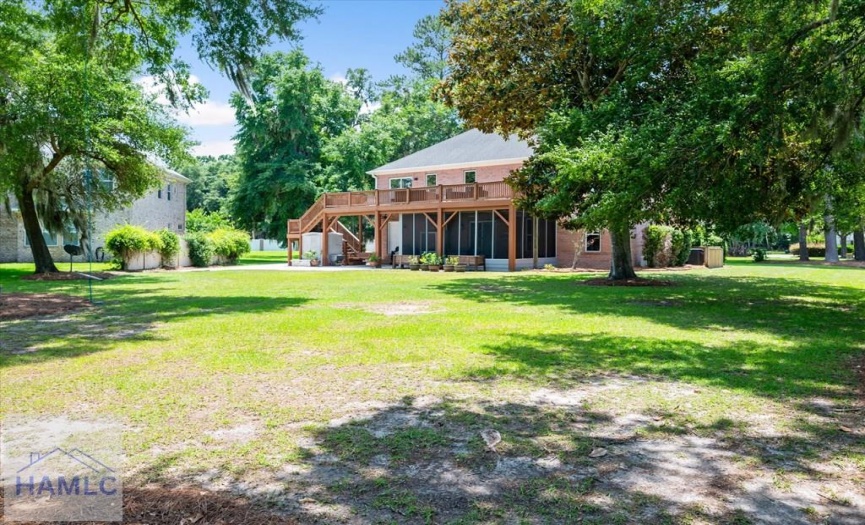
x=714, y=257
x=697, y=256
x=312, y=241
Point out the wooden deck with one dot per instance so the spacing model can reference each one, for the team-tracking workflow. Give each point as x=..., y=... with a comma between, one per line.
x=479, y=195
x=382, y=206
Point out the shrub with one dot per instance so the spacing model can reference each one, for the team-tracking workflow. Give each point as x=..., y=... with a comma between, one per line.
x=816, y=250
x=170, y=245
x=681, y=242
x=229, y=243
x=759, y=254
x=199, y=221
x=200, y=249
x=127, y=240
x=654, y=240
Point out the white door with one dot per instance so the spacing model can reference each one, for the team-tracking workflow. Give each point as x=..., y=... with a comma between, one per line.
x=394, y=236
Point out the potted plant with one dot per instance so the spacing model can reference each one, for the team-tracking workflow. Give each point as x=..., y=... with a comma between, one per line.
x=312, y=257
x=413, y=263
x=374, y=261
x=435, y=262
x=424, y=261
x=450, y=262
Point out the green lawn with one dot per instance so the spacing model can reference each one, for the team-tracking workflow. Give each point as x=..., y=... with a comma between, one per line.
x=365, y=392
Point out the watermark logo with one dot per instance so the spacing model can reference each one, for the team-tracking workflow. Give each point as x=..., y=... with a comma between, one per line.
x=61, y=470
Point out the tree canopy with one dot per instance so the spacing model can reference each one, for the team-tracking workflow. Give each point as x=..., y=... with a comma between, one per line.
x=681, y=112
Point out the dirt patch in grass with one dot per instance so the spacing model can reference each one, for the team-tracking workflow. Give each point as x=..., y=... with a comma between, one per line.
x=67, y=276
x=25, y=305
x=157, y=506
x=639, y=281
x=401, y=308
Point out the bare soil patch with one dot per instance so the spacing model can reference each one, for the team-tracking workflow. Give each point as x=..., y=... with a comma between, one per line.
x=25, y=305
x=67, y=276
x=639, y=281
x=401, y=308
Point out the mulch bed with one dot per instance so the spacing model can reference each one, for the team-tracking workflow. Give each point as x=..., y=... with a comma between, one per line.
x=67, y=276
x=24, y=305
x=639, y=281
x=158, y=506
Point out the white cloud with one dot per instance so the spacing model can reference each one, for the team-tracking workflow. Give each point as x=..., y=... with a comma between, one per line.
x=209, y=113
x=369, y=108
x=214, y=148
x=339, y=79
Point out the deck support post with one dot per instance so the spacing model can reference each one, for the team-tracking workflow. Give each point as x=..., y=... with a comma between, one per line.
x=440, y=234
x=324, y=227
x=288, y=246
x=512, y=238
x=378, y=234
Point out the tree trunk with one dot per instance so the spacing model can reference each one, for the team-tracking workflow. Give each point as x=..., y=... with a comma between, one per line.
x=859, y=245
x=830, y=234
x=41, y=256
x=803, y=242
x=621, y=266
x=843, y=245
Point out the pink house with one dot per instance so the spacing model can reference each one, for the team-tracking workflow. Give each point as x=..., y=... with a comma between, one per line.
x=450, y=199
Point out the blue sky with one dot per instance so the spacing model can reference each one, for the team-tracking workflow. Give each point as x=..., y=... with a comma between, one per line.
x=350, y=34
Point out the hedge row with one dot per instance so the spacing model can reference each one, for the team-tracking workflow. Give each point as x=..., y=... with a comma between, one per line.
x=227, y=243
x=816, y=250
x=127, y=240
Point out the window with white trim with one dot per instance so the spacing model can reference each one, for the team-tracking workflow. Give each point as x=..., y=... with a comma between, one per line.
x=593, y=242
x=50, y=238
x=470, y=177
x=430, y=179
x=400, y=182
x=168, y=190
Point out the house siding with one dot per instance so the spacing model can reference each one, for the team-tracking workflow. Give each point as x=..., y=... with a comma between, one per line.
x=149, y=211
x=450, y=176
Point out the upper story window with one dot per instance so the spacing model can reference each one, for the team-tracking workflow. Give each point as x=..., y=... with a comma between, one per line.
x=50, y=238
x=159, y=193
x=106, y=180
x=593, y=242
x=169, y=190
x=471, y=177
x=430, y=179
x=400, y=182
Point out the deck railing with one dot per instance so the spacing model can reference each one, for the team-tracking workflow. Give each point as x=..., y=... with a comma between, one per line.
x=475, y=191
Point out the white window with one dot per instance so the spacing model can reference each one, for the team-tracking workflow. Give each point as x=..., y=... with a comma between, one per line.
x=169, y=189
x=400, y=182
x=470, y=177
x=50, y=238
x=430, y=179
x=593, y=242
x=106, y=180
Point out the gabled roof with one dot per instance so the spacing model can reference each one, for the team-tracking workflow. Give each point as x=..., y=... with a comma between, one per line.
x=472, y=148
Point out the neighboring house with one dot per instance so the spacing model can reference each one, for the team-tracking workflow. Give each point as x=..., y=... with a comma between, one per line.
x=164, y=207
x=450, y=199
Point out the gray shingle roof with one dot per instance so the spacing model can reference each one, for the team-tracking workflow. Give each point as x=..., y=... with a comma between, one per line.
x=471, y=147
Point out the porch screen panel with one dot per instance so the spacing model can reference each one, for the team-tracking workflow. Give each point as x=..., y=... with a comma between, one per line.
x=500, y=236
x=430, y=233
x=520, y=234
x=420, y=226
x=452, y=235
x=551, y=239
x=467, y=233
x=484, y=234
x=542, y=237
x=408, y=245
